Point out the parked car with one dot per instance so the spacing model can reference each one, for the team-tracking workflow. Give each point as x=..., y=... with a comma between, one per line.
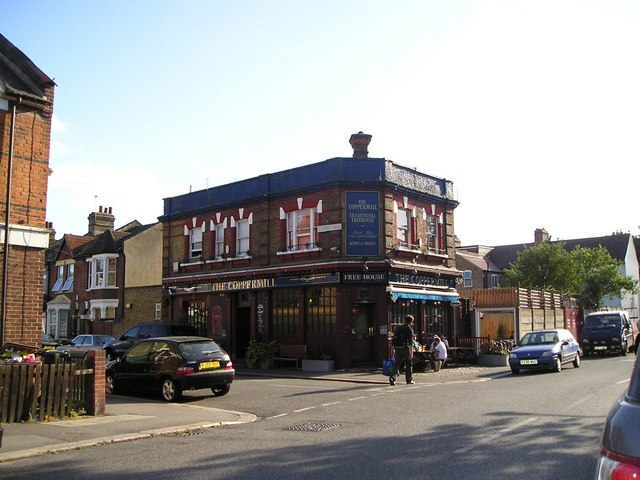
x=619, y=455
x=170, y=365
x=607, y=332
x=143, y=331
x=85, y=342
x=47, y=342
x=545, y=349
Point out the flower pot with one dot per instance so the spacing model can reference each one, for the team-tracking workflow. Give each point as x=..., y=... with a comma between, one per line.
x=266, y=364
x=318, y=365
x=486, y=360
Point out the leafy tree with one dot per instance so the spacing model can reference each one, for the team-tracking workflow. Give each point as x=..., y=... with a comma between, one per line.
x=599, y=276
x=585, y=273
x=545, y=266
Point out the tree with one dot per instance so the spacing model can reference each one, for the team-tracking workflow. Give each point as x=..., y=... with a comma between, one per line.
x=546, y=266
x=588, y=274
x=599, y=276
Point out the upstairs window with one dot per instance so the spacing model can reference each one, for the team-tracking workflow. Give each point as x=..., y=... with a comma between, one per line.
x=195, y=242
x=494, y=280
x=467, y=280
x=59, y=279
x=68, y=284
x=102, y=271
x=403, y=229
x=219, y=249
x=432, y=233
x=242, y=238
x=301, y=229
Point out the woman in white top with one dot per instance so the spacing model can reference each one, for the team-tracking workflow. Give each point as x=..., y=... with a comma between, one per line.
x=439, y=353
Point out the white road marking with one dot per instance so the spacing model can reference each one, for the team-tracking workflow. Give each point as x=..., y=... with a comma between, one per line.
x=496, y=435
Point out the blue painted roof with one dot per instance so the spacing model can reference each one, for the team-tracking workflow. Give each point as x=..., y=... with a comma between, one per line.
x=343, y=172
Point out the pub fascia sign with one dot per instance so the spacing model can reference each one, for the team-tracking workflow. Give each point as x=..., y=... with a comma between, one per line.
x=422, y=280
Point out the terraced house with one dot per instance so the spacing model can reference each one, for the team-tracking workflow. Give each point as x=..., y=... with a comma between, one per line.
x=331, y=255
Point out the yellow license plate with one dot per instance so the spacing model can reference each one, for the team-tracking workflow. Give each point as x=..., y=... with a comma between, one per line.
x=206, y=365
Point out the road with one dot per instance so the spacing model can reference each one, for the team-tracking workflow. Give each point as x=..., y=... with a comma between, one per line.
x=533, y=426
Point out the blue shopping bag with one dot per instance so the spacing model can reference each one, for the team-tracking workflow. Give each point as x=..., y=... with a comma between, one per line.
x=389, y=368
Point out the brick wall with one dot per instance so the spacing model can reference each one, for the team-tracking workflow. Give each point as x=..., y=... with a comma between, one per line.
x=29, y=177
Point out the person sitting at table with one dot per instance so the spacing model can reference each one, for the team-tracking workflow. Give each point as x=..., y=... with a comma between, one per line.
x=439, y=353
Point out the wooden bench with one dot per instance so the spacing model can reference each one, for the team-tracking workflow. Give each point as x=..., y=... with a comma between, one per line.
x=291, y=353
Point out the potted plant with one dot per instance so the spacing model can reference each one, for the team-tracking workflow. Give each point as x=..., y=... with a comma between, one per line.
x=317, y=360
x=260, y=353
x=496, y=354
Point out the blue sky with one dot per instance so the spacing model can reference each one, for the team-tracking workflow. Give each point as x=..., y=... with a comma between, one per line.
x=531, y=108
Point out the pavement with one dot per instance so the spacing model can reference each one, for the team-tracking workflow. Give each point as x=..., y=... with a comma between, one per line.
x=130, y=418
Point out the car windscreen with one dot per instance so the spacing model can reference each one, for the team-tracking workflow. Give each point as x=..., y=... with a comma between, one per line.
x=602, y=321
x=199, y=349
x=539, y=338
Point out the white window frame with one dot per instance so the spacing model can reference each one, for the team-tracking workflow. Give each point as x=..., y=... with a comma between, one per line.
x=195, y=242
x=57, y=287
x=58, y=317
x=494, y=280
x=432, y=233
x=103, y=271
x=297, y=229
x=403, y=232
x=219, y=248
x=467, y=278
x=68, y=283
x=242, y=237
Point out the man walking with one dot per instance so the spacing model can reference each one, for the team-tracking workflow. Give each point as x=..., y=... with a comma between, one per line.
x=402, y=343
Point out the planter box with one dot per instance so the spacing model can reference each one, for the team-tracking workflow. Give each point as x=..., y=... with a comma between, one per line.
x=485, y=360
x=318, y=365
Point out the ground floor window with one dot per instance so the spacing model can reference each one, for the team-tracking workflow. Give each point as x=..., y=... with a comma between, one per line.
x=286, y=311
x=435, y=319
x=321, y=313
x=399, y=311
x=58, y=322
x=196, y=316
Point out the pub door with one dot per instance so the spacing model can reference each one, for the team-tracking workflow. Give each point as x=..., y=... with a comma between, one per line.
x=362, y=329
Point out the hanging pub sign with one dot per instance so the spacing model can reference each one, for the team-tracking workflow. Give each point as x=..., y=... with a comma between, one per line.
x=362, y=218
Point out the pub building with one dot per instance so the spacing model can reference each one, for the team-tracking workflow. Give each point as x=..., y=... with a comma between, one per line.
x=331, y=255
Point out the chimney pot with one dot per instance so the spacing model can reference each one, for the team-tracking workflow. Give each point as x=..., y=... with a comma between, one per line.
x=360, y=141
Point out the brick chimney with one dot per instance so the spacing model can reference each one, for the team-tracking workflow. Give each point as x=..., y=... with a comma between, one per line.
x=100, y=221
x=360, y=141
x=540, y=236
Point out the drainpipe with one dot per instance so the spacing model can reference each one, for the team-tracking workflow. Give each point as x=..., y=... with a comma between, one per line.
x=5, y=259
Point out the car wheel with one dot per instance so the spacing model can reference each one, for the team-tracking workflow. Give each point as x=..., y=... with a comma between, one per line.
x=169, y=390
x=515, y=371
x=220, y=390
x=558, y=365
x=110, y=384
x=576, y=361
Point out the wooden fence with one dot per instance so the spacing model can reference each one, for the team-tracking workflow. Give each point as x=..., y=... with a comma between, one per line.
x=37, y=392
x=515, y=297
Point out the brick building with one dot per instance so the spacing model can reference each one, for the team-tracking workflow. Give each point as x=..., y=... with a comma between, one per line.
x=332, y=255
x=26, y=108
x=104, y=281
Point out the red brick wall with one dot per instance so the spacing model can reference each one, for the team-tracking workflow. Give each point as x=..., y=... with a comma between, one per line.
x=29, y=177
